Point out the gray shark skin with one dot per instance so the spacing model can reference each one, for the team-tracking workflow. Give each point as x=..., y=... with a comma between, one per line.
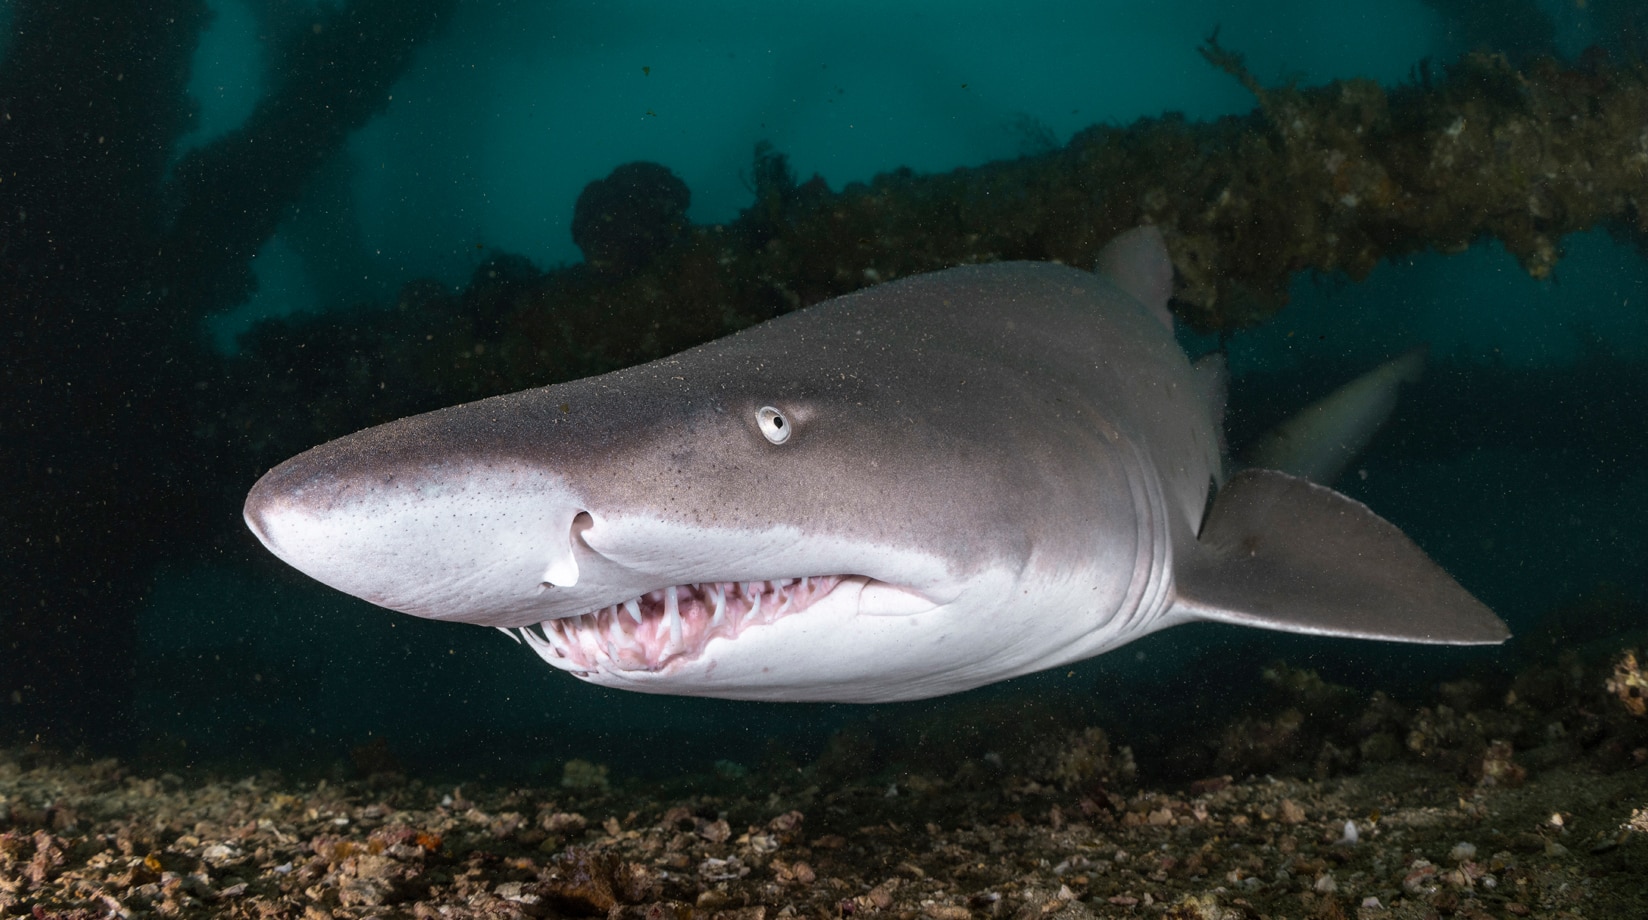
x=913, y=490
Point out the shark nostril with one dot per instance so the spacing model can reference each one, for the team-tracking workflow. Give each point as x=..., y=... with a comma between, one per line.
x=562, y=571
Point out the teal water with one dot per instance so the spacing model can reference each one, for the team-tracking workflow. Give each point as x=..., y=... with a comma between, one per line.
x=1518, y=462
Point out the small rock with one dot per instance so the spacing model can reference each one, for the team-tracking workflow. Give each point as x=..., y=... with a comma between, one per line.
x=1292, y=812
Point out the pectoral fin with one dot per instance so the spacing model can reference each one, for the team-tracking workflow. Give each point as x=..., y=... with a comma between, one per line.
x=1279, y=552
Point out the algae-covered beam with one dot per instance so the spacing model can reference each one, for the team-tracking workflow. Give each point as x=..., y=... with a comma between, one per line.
x=1329, y=179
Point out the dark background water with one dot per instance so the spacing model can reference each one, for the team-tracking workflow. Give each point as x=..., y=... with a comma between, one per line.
x=1517, y=462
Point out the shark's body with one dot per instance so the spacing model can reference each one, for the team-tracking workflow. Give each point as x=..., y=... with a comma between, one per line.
x=917, y=489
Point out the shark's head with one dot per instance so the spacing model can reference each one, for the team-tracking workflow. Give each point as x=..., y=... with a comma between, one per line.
x=752, y=519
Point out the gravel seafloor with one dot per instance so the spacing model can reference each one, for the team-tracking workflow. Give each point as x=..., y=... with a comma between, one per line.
x=1524, y=801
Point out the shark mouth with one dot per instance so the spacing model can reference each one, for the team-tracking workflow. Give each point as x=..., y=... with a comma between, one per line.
x=650, y=632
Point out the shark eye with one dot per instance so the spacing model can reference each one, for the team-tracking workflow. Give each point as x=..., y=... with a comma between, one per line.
x=774, y=426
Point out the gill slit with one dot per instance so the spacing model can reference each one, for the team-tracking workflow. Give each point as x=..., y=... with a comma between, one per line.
x=1151, y=585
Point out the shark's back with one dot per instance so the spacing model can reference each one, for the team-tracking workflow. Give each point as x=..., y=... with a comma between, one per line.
x=1059, y=353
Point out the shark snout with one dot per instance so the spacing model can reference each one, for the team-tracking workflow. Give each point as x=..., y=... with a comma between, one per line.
x=493, y=542
x=254, y=512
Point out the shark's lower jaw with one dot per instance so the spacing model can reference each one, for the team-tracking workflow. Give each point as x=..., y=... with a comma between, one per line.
x=670, y=625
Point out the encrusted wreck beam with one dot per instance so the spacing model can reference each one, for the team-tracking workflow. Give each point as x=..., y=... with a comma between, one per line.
x=1328, y=179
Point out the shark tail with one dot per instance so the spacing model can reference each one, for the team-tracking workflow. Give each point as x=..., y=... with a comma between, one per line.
x=1280, y=552
x=1327, y=435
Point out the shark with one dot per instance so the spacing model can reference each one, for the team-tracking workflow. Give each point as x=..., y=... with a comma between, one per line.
x=926, y=486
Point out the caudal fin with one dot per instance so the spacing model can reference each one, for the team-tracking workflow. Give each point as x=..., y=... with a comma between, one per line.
x=1279, y=552
x=1327, y=435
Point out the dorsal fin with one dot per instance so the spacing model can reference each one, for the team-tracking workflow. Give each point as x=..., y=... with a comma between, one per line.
x=1138, y=263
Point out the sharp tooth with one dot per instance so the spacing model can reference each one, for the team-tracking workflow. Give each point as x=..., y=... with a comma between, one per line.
x=672, y=616
x=615, y=632
x=634, y=610
x=547, y=642
x=510, y=633
x=720, y=598
x=755, y=610
x=806, y=582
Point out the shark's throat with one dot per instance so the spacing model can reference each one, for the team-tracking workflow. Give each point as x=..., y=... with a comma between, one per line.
x=650, y=632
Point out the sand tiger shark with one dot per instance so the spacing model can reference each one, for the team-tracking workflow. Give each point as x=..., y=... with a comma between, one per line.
x=916, y=489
